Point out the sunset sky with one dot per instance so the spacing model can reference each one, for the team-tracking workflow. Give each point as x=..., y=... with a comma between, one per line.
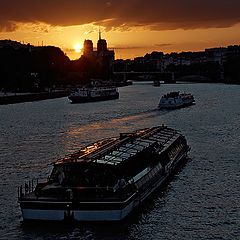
x=131, y=27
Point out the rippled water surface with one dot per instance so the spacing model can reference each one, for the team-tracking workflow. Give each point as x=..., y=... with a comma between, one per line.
x=202, y=200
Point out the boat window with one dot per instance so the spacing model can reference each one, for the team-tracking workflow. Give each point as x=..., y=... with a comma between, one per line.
x=111, y=160
x=116, y=153
x=144, y=141
x=162, y=137
x=129, y=145
x=125, y=155
x=122, y=149
x=103, y=161
x=133, y=151
x=111, y=163
x=109, y=157
x=154, y=138
x=139, y=147
x=118, y=160
x=141, y=174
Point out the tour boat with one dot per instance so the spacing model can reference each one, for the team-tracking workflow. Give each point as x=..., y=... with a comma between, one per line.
x=93, y=94
x=106, y=180
x=176, y=100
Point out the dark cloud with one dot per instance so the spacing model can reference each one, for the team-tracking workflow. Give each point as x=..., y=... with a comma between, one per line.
x=124, y=47
x=128, y=47
x=163, y=44
x=122, y=15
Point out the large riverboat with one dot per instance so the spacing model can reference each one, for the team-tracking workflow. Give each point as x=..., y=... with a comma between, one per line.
x=93, y=94
x=176, y=100
x=106, y=180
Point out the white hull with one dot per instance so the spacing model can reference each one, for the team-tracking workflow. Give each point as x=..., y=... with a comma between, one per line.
x=78, y=215
x=43, y=215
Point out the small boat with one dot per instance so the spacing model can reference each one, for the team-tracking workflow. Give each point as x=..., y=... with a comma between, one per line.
x=156, y=83
x=106, y=180
x=93, y=94
x=176, y=100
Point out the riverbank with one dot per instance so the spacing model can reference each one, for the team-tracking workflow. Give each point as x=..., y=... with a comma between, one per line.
x=11, y=98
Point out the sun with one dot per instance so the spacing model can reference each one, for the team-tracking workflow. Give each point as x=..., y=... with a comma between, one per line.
x=78, y=47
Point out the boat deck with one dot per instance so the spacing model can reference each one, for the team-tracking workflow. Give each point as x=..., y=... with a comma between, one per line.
x=116, y=150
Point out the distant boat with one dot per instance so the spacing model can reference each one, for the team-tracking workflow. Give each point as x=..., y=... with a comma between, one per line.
x=176, y=100
x=106, y=180
x=129, y=82
x=93, y=94
x=156, y=83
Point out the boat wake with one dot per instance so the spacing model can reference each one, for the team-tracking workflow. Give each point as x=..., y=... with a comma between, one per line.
x=121, y=122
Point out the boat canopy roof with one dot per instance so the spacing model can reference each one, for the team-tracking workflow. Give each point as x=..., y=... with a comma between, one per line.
x=115, y=151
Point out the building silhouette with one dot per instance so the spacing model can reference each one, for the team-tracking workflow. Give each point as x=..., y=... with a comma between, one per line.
x=88, y=48
x=102, y=56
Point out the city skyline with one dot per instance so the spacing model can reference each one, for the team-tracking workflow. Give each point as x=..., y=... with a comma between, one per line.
x=132, y=28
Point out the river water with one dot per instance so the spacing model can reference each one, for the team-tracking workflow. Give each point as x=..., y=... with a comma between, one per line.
x=202, y=200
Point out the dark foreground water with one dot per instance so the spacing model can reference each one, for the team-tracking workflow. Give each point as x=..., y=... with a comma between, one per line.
x=201, y=202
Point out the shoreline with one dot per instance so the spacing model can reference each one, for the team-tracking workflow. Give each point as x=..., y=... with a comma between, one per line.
x=31, y=97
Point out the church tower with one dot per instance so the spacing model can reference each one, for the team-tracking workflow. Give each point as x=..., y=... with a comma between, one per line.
x=101, y=44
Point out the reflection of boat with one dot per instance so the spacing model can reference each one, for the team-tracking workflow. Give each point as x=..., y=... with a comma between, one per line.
x=93, y=94
x=156, y=83
x=176, y=100
x=106, y=180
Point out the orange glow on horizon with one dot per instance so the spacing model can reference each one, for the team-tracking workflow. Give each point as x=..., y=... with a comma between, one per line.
x=126, y=44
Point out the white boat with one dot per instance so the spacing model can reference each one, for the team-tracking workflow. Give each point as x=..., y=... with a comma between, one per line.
x=176, y=100
x=106, y=180
x=93, y=94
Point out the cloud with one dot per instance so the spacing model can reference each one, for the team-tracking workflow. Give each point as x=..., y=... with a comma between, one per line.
x=7, y=26
x=122, y=15
x=163, y=44
x=69, y=50
x=128, y=47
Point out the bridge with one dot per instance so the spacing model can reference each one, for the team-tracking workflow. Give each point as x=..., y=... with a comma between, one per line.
x=170, y=77
x=132, y=75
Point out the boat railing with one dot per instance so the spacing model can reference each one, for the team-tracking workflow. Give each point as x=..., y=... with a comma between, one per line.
x=53, y=190
x=84, y=193
x=29, y=187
